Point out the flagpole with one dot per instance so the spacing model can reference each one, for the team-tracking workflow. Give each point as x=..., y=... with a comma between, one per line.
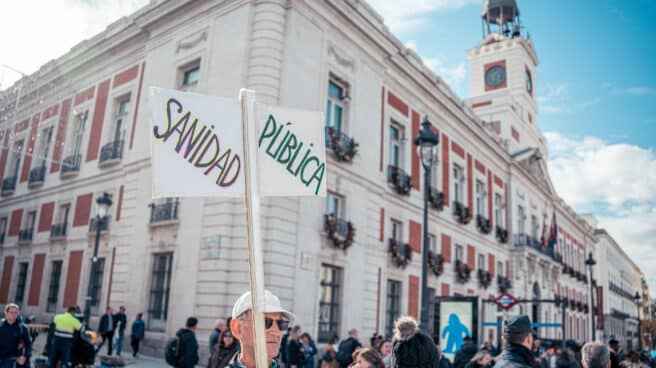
x=252, y=198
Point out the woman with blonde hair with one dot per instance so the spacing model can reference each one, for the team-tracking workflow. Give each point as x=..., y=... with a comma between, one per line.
x=367, y=358
x=480, y=360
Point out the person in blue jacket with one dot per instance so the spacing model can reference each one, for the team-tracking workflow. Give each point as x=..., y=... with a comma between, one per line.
x=137, y=334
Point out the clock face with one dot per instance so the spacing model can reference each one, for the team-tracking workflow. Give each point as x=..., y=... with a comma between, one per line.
x=495, y=76
x=529, y=83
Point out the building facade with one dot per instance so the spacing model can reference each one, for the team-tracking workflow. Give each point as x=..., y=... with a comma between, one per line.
x=80, y=127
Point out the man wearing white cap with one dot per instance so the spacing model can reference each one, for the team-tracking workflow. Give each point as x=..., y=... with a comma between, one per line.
x=276, y=321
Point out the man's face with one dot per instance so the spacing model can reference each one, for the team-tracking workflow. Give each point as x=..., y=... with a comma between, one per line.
x=242, y=328
x=110, y=310
x=221, y=325
x=122, y=309
x=11, y=315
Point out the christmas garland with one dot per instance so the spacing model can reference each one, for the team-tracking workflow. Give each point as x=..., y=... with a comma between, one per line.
x=342, y=243
x=436, y=263
x=402, y=259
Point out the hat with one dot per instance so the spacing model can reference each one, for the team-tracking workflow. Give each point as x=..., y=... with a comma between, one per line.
x=613, y=340
x=518, y=325
x=272, y=305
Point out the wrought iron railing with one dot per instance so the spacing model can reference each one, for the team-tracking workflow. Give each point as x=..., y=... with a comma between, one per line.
x=462, y=213
x=463, y=272
x=483, y=224
x=102, y=222
x=524, y=240
x=504, y=283
x=167, y=211
x=111, y=151
x=342, y=145
x=399, y=180
x=71, y=164
x=436, y=198
x=58, y=230
x=501, y=234
x=9, y=185
x=401, y=253
x=25, y=236
x=37, y=176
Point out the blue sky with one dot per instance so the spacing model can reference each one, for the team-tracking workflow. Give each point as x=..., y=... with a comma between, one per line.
x=595, y=86
x=596, y=92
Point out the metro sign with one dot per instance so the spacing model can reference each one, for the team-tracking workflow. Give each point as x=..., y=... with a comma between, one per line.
x=506, y=301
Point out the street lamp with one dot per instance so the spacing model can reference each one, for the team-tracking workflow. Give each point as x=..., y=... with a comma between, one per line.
x=102, y=209
x=636, y=298
x=426, y=142
x=591, y=262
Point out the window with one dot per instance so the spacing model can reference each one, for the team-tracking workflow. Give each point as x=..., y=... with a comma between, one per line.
x=480, y=198
x=77, y=134
x=190, y=76
x=3, y=229
x=122, y=109
x=500, y=268
x=432, y=241
x=498, y=210
x=95, y=285
x=534, y=226
x=396, y=141
x=334, y=204
x=331, y=279
x=44, y=146
x=397, y=230
x=160, y=285
x=393, y=306
x=30, y=221
x=521, y=220
x=458, y=184
x=14, y=162
x=459, y=253
x=64, y=212
x=481, y=262
x=53, y=290
x=336, y=105
x=22, y=279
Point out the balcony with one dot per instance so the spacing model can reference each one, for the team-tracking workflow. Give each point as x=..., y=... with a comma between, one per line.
x=525, y=241
x=483, y=224
x=25, y=236
x=339, y=231
x=463, y=272
x=502, y=235
x=37, y=176
x=401, y=253
x=103, y=223
x=436, y=198
x=504, y=283
x=398, y=180
x=485, y=278
x=111, y=153
x=619, y=291
x=71, y=166
x=343, y=147
x=9, y=185
x=436, y=263
x=164, y=213
x=462, y=213
x=58, y=231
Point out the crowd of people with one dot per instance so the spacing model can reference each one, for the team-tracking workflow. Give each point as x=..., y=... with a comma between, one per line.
x=232, y=345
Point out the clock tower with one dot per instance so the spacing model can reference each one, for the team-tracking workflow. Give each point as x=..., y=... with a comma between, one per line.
x=502, y=69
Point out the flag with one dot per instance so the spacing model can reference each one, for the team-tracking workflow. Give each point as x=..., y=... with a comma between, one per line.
x=543, y=238
x=553, y=232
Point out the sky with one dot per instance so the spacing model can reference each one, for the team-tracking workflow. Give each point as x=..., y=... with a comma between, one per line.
x=595, y=86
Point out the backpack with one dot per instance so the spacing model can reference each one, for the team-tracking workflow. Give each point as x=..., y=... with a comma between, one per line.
x=172, y=352
x=343, y=356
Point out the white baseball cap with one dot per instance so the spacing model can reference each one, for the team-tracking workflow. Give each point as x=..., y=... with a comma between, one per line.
x=272, y=305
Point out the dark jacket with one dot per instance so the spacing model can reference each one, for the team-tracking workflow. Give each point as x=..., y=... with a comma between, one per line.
x=464, y=355
x=515, y=356
x=283, y=348
x=614, y=360
x=474, y=365
x=138, y=329
x=295, y=353
x=345, y=351
x=15, y=340
x=444, y=362
x=214, y=339
x=416, y=350
x=120, y=317
x=103, y=327
x=188, y=345
x=221, y=355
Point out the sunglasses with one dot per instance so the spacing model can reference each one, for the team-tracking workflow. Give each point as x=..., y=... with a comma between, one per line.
x=283, y=324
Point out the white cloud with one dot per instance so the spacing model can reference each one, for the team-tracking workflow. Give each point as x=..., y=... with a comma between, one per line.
x=37, y=31
x=405, y=16
x=620, y=179
x=453, y=75
x=640, y=91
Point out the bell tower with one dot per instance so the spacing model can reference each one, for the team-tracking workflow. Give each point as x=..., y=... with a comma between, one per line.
x=502, y=69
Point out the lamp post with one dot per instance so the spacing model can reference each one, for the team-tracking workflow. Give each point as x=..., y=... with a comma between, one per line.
x=102, y=209
x=426, y=142
x=636, y=298
x=591, y=262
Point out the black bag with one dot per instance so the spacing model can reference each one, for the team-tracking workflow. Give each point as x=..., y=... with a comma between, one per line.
x=172, y=352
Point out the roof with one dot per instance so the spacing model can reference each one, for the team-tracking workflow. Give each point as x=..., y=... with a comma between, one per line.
x=494, y=9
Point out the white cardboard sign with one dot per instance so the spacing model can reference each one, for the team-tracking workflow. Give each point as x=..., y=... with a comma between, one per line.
x=197, y=148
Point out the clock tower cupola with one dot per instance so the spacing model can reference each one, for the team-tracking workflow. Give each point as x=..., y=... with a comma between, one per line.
x=502, y=69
